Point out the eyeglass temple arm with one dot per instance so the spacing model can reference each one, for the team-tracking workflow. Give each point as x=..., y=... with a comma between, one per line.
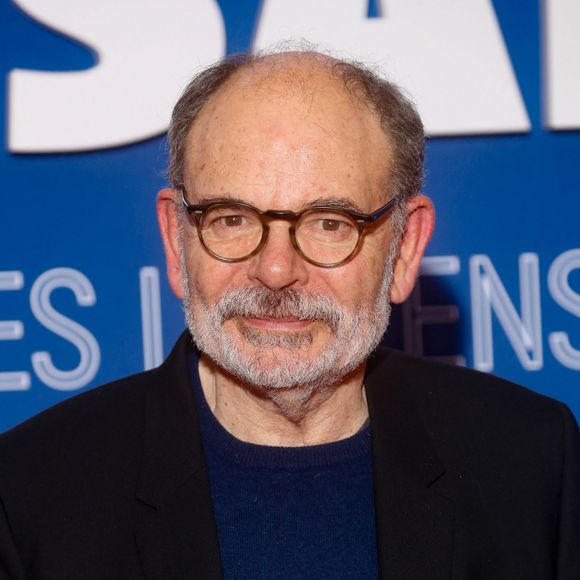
x=369, y=218
x=185, y=203
x=190, y=208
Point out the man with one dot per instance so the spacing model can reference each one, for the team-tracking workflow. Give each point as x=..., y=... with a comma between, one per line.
x=277, y=445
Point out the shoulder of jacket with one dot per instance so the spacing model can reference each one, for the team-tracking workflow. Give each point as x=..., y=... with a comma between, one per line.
x=431, y=379
x=103, y=418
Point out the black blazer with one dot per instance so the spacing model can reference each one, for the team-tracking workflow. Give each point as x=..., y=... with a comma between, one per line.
x=474, y=478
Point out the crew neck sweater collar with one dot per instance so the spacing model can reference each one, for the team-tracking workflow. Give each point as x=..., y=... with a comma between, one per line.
x=219, y=442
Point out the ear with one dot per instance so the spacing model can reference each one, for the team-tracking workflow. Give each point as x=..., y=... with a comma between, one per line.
x=418, y=231
x=169, y=226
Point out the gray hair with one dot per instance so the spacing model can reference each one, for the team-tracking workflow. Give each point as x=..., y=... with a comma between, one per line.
x=396, y=113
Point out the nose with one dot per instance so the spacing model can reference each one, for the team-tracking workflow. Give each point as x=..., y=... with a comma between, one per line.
x=278, y=265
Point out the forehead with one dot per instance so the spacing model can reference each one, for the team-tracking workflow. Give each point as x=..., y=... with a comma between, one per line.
x=286, y=136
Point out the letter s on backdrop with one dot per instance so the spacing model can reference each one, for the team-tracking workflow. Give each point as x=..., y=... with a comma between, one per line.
x=146, y=52
x=80, y=337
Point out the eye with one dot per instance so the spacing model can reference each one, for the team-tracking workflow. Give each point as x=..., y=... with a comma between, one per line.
x=330, y=225
x=232, y=221
x=327, y=227
x=230, y=218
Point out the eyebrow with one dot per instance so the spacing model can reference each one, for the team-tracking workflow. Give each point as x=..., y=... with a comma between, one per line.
x=224, y=197
x=337, y=202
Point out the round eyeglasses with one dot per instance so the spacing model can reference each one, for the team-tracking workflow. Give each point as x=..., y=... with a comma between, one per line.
x=323, y=235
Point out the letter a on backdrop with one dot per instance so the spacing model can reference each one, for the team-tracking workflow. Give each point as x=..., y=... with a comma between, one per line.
x=450, y=55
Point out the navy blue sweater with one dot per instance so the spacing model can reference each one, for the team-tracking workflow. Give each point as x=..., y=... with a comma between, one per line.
x=290, y=512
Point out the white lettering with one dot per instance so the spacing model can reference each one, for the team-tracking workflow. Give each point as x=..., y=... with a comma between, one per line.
x=12, y=330
x=562, y=53
x=449, y=80
x=488, y=293
x=146, y=52
x=151, y=317
x=564, y=295
x=80, y=337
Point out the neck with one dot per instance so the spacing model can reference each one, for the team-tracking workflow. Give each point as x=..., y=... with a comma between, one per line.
x=285, y=417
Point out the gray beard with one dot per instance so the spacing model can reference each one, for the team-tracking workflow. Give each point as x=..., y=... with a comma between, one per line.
x=354, y=333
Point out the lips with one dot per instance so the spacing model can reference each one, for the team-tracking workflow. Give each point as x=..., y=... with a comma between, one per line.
x=290, y=309
x=278, y=323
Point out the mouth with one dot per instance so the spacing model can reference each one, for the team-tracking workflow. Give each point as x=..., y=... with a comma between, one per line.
x=278, y=324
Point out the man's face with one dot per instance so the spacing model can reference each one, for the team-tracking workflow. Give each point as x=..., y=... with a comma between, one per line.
x=275, y=320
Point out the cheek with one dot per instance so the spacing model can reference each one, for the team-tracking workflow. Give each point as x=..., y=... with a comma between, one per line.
x=359, y=281
x=378, y=255
x=354, y=284
x=210, y=278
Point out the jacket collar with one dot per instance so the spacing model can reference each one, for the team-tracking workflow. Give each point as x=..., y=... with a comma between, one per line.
x=414, y=522
x=177, y=533
x=172, y=442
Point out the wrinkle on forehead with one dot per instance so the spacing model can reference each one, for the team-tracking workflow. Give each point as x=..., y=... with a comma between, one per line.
x=280, y=91
x=307, y=77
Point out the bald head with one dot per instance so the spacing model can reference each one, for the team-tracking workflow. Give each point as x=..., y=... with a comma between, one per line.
x=289, y=74
x=282, y=126
x=304, y=75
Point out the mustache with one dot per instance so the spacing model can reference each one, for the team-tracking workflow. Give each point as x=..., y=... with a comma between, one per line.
x=286, y=303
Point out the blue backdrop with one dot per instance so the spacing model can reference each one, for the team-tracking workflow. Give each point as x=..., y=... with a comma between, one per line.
x=83, y=296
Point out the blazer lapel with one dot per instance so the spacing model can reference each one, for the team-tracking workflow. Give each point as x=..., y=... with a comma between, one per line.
x=414, y=522
x=176, y=532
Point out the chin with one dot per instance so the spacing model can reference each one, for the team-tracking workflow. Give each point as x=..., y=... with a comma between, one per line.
x=281, y=353
x=286, y=361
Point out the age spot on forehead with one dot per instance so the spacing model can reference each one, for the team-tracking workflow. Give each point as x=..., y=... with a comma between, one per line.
x=279, y=143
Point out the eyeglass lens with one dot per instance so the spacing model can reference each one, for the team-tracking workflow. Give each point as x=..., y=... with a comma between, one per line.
x=234, y=232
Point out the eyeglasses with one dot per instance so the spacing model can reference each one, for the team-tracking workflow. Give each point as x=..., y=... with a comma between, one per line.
x=323, y=235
